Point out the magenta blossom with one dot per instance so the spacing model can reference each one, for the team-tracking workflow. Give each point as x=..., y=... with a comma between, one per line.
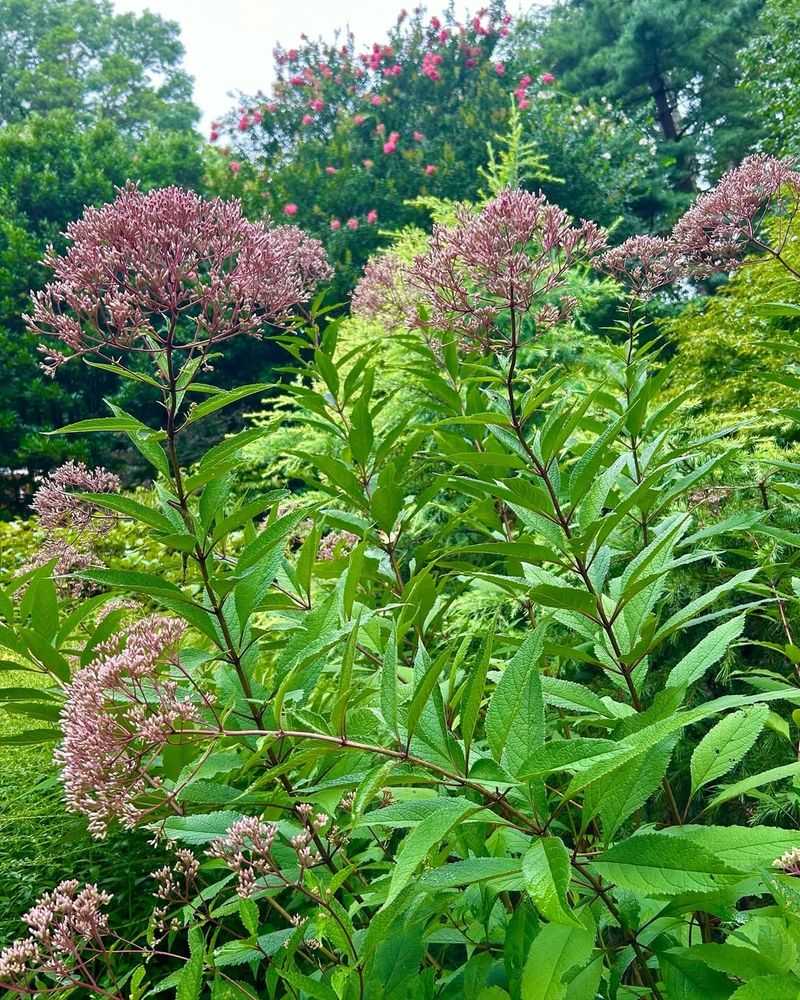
x=58, y=507
x=234, y=166
x=307, y=120
x=430, y=169
x=547, y=79
x=330, y=171
x=372, y=217
x=352, y=223
x=335, y=224
x=290, y=208
x=168, y=270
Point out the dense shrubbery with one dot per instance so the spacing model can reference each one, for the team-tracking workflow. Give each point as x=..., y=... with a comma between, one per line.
x=500, y=707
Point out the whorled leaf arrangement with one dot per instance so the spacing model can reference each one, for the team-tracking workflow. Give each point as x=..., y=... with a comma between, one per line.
x=363, y=799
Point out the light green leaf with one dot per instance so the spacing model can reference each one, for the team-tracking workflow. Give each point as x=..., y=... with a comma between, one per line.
x=705, y=654
x=659, y=865
x=754, y=781
x=421, y=840
x=200, y=828
x=218, y=401
x=725, y=745
x=515, y=717
x=769, y=988
x=191, y=977
x=546, y=869
x=556, y=949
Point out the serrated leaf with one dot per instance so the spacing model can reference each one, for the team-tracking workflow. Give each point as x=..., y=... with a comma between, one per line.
x=705, y=654
x=515, y=717
x=556, y=949
x=725, y=745
x=659, y=865
x=546, y=869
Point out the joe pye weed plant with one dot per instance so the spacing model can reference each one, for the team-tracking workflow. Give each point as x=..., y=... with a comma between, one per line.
x=361, y=798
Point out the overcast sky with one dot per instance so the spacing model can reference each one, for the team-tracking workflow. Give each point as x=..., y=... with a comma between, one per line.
x=229, y=42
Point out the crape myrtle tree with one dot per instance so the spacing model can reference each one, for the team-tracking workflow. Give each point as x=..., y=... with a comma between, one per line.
x=680, y=61
x=346, y=136
x=361, y=798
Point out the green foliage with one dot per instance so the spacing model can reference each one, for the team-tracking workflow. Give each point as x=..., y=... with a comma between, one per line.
x=679, y=59
x=771, y=63
x=81, y=57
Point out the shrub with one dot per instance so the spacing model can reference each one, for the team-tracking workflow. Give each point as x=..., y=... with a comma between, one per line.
x=361, y=795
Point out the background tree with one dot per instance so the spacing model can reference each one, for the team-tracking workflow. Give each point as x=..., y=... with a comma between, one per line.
x=678, y=60
x=772, y=75
x=80, y=55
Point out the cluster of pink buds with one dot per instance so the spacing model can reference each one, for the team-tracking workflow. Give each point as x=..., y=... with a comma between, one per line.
x=120, y=712
x=336, y=544
x=508, y=258
x=789, y=862
x=56, y=503
x=390, y=146
x=390, y=71
x=192, y=258
x=717, y=232
x=521, y=92
x=175, y=885
x=62, y=925
x=246, y=849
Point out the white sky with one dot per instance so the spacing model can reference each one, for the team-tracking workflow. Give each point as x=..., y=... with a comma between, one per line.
x=229, y=43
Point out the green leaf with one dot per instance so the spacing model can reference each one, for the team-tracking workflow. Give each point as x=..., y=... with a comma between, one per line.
x=222, y=399
x=515, y=717
x=426, y=672
x=30, y=737
x=546, y=869
x=686, y=978
x=422, y=839
x=474, y=688
x=754, y=781
x=661, y=865
x=389, y=683
x=101, y=424
x=769, y=988
x=745, y=848
x=725, y=745
x=564, y=755
x=705, y=654
x=469, y=872
x=191, y=977
x=556, y=949
x=131, y=508
x=200, y=828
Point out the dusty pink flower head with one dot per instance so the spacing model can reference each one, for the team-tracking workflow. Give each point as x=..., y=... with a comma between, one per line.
x=726, y=222
x=307, y=120
x=335, y=224
x=234, y=166
x=213, y=135
x=245, y=848
x=336, y=544
x=502, y=261
x=359, y=119
x=418, y=136
x=382, y=293
x=331, y=170
x=317, y=104
x=430, y=169
x=547, y=79
x=290, y=208
x=390, y=147
x=376, y=100
x=500, y=69
x=352, y=223
x=644, y=264
x=372, y=216
x=67, y=560
x=169, y=267
x=58, y=507
x=61, y=925
x=368, y=164
x=120, y=711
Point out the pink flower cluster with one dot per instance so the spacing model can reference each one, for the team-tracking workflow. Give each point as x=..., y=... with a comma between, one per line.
x=141, y=264
x=58, y=507
x=717, y=232
x=390, y=146
x=119, y=713
x=431, y=61
x=502, y=261
x=61, y=925
x=246, y=849
x=353, y=223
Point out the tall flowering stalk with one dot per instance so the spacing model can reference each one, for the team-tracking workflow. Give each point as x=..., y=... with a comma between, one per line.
x=501, y=263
